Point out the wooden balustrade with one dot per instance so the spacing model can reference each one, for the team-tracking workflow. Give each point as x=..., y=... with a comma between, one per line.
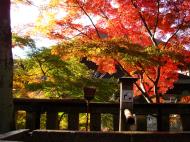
x=73, y=107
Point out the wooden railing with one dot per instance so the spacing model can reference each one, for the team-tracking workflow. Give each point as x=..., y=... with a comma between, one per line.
x=73, y=107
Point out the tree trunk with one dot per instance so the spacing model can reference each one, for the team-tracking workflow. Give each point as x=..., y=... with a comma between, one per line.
x=158, y=72
x=6, y=68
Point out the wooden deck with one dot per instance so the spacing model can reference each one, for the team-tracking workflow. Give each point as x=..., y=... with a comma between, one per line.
x=97, y=136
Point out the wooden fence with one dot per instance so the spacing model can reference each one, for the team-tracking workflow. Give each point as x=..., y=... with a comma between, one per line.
x=73, y=107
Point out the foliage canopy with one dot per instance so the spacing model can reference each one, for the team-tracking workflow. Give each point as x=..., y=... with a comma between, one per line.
x=147, y=39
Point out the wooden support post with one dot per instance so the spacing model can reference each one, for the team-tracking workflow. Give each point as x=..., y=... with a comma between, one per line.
x=162, y=122
x=165, y=122
x=95, y=121
x=185, y=122
x=116, y=122
x=32, y=120
x=73, y=121
x=141, y=122
x=52, y=120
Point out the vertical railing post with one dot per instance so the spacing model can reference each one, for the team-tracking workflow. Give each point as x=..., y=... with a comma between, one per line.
x=141, y=122
x=52, y=120
x=95, y=121
x=116, y=121
x=126, y=101
x=32, y=120
x=185, y=122
x=73, y=120
x=162, y=121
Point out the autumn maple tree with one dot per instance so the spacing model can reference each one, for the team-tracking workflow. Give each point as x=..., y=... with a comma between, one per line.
x=147, y=39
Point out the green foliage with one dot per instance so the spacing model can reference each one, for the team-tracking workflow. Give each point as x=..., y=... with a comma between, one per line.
x=120, y=49
x=56, y=78
x=107, y=122
x=47, y=74
x=22, y=41
x=21, y=119
x=62, y=120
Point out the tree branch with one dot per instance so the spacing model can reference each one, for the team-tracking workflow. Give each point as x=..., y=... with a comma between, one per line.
x=177, y=30
x=144, y=93
x=145, y=24
x=157, y=17
x=107, y=18
x=104, y=14
x=97, y=32
x=140, y=65
x=80, y=31
x=158, y=72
